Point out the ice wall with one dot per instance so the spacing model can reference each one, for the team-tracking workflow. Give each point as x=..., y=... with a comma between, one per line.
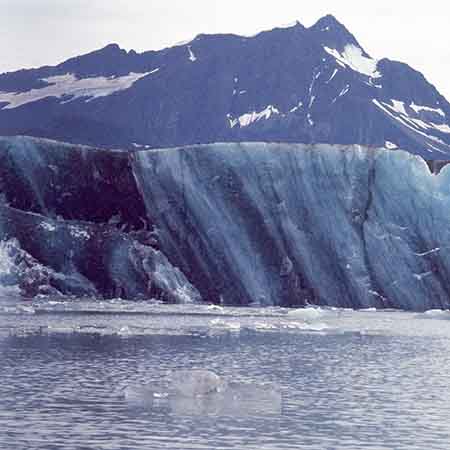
x=73, y=182
x=42, y=256
x=272, y=224
x=72, y=222
x=289, y=224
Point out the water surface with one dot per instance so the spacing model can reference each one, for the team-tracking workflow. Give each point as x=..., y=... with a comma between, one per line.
x=348, y=380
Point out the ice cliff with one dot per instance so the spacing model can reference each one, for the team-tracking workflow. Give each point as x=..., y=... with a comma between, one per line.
x=273, y=224
x=72, y=222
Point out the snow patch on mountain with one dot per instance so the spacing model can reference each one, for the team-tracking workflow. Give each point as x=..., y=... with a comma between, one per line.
x=332, y=76
x=248, y=118
x=353, y=57
x=296, y=107
x=399, y=107
x=411, y=123
x=443, y=128
x=390, y=145
x=419, y=108
x=192, y=56
x=69, y=88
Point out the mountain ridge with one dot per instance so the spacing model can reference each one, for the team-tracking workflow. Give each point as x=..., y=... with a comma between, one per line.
x=291, y=84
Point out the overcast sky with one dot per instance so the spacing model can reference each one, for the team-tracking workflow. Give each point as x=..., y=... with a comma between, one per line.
x=39, y=32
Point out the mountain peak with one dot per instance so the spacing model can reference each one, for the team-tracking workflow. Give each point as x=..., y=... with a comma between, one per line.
x=110, y=48
x=333, y=33
x=286, y=84
x=328, y=21
x=107, y=61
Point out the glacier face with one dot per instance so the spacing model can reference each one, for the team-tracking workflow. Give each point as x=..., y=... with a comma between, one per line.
x=72, y=222
x=288, y=224
x=271, y=224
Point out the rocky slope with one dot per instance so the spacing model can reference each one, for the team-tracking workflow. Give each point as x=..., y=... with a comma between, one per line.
x=295, y=84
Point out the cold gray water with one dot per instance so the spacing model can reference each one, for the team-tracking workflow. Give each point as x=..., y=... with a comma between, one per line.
x=93, y=375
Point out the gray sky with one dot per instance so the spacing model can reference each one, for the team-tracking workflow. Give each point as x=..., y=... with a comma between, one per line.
x=39, y=32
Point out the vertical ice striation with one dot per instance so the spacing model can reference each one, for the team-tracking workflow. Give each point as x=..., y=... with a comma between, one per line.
x=72, y=222
x=271, y=224
x=290, y=224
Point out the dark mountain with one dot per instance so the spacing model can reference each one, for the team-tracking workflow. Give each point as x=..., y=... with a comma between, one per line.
x=295, y=84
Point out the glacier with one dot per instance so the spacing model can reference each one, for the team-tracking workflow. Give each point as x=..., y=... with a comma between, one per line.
x=291, y=224
x=72, y=223
x=235, y=224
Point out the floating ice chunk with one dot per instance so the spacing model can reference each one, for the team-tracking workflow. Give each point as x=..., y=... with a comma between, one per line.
x=353, y=57
x=305, y=326
x=225, y=325
x=264, y=326
x=437, y=313
x=124, y=331
x=192, y=383
x=27, y=309
x=215, y=308
x=307, y=314
x=203, y=393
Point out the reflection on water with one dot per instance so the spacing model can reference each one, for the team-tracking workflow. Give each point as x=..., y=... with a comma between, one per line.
x=76, y=378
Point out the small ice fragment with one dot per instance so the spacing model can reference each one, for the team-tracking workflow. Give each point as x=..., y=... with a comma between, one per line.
x=192, y=383
x=306, y=314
